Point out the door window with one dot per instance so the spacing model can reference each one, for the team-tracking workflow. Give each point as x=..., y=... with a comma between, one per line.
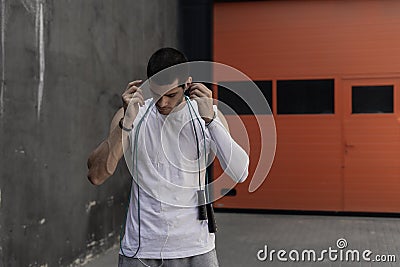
x=372, y=99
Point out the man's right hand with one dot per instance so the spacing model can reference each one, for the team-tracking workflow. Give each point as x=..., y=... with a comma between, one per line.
x=131, y=99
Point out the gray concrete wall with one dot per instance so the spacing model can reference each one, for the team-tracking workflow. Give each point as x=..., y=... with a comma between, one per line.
x=64, y=64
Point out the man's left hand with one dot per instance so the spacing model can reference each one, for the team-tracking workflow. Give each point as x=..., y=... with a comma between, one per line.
x=203, y=96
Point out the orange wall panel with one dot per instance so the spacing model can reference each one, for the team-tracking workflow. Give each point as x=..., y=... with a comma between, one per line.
x=308, y=38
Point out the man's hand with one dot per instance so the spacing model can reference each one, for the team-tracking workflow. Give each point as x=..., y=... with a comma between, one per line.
x=203, y=96
x=131, y=99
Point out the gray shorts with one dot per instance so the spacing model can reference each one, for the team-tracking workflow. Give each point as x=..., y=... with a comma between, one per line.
x=208, y=259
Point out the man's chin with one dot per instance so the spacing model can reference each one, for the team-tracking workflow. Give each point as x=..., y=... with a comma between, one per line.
x=164, y=111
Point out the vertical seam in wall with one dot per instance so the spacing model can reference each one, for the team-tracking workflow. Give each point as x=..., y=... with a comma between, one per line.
x=3, y=29
x=40, y=23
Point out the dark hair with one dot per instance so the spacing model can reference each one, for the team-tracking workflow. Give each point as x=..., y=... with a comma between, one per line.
x=164, y=58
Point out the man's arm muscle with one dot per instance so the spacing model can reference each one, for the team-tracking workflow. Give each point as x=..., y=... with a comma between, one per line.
x=103, y=160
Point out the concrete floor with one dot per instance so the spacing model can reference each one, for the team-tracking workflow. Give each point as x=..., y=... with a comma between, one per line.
x=240, y=236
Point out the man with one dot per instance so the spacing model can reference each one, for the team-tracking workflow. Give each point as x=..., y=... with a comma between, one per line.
x=166, y=139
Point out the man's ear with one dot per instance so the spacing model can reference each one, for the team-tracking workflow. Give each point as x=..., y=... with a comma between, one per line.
x=188, y=82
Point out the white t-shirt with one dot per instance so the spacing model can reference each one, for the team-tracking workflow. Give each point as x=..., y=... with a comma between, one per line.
x=168, y=174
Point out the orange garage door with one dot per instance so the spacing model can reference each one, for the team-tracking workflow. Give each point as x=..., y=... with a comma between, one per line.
x=333, y=71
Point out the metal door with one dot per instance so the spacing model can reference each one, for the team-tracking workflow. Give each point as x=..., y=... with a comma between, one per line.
x=371, y=144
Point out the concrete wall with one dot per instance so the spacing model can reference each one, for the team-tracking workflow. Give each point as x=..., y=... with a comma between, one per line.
x=64, y=64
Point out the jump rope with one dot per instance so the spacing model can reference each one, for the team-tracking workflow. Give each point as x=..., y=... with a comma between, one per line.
x=206, y=210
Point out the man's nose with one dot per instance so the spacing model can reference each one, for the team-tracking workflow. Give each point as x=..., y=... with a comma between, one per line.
x=162, y=102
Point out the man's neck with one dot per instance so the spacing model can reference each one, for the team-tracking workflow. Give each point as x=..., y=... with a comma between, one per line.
x=180, y=105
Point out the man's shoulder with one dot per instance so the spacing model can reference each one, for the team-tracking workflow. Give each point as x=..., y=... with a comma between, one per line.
x=148, y=104
x=148, y=101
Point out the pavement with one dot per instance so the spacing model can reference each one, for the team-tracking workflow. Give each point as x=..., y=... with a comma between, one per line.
x=245, y=239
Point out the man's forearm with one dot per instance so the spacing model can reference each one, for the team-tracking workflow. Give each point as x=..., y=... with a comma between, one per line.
x=104, y=159
x=234, y=160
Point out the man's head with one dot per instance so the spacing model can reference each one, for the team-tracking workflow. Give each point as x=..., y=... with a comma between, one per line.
x=168, y=85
